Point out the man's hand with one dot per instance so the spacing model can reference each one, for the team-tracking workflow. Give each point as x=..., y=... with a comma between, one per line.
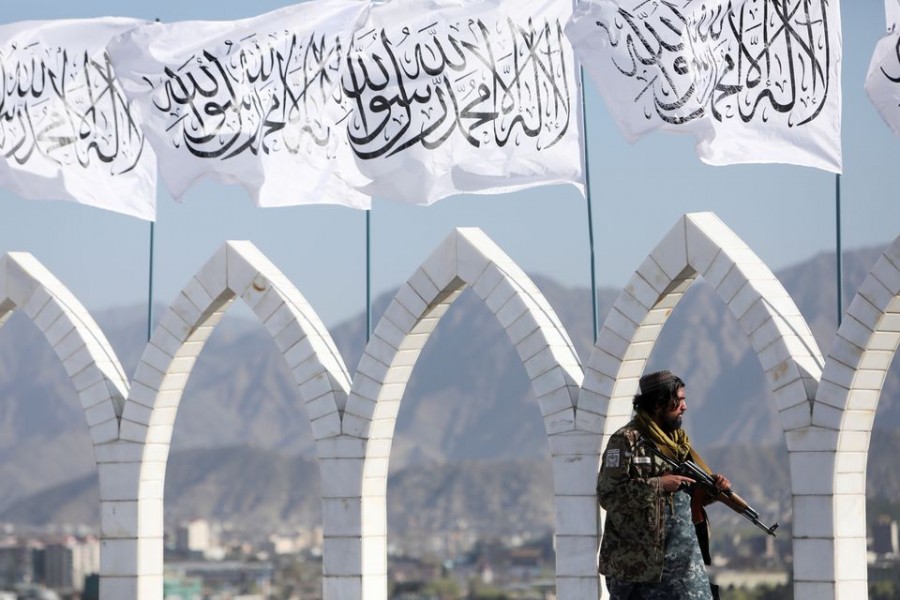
x=722, y=483
x=670, y=482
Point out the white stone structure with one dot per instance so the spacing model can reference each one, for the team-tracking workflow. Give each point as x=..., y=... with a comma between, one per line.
x=133, y=510
x=466, y=257
x=700, y=244
x=827, y=425
x=828, y=458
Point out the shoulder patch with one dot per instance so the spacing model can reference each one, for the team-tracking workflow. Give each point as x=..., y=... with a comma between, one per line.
x=612, y=458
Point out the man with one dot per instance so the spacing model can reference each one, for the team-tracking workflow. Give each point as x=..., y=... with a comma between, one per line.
x=649, y=548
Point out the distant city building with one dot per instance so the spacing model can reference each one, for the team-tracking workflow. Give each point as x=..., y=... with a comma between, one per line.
x=193, y=536
x=68, y=561
x=884, y=536
x=16, y=563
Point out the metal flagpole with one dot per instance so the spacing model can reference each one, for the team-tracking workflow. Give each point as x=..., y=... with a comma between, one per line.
x=840, y=254
x=150, y=286
x=368, y=274
x=590, y=211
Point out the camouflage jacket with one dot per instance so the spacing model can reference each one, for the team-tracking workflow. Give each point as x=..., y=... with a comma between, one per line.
x=628, y=488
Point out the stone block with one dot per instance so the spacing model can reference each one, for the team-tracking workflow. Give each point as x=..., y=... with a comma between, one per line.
x=641, y=291
x=424, y=286
x=795, y=417
x=863, y=399
x=578, y=588
x=574, y=475
x=858, y=420
x=213, y=275
x=105, y=432
x=850, y=483
x=410, y=300
x=119, y=519
x=343, y=587
x=647, y=333
x=653, y=274
x=855, y=332
x=852, y=521
x=827, y=416
x=885, y=340
x=731, y=285
x=576, y=555
x=671, y=252
x=589, y=422
x=342, y=517
x=850, y=462
x=813, y=516
x=867, y=379
x=813, y=590
x=549, y=381
x=613, y=344
x=876, y=360
x=718, y=269
x=157, y=434
x=557, y=400
x=340, y=447
x=561, y=422
x=374, y=516
x=812, y=440
x=863, y=311
x=813, y=560
x=620, y=325
x=850, y=558
x=116, y=452
x=131, y=587
x=374, y=557
x=341, y=477
x=390, y=333
x=342, y=556
x=887, y=273
x=327, y=426
x=809, y=472
x=119, y=557
x=576, y=515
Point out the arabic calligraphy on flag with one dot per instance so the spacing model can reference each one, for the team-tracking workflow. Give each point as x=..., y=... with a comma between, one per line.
x=883, y=78
x=67, y=130
x=445, y=97
x=252, y=102
x=752, y=80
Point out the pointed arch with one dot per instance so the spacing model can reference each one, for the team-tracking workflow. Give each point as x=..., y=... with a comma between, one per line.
x=832, y=457
x=135, y=506
x=466, y=257
x=75, y=337
x=700, y=244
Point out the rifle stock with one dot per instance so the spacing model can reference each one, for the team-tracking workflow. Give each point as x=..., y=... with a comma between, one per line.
x=691, y=469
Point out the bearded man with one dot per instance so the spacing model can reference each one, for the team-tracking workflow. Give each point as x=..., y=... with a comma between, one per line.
x=650, y=549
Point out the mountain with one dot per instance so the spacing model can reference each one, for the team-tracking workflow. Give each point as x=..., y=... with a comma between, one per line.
x=258, y=491
x=468, y=399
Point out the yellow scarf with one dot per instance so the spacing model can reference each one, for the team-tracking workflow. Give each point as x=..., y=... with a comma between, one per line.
x=676, y=445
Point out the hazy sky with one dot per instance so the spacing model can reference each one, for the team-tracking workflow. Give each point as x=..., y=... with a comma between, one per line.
x=786, y=214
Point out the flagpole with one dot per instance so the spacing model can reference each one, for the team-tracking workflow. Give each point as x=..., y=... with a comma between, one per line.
x=840, y=257
x=150, y=286
x=368, y=274
x=590, y=211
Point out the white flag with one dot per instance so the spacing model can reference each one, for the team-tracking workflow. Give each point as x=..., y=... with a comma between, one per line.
x=756, y=81
x=445, y=97
x=883, y=79
x=66, y=129
x=251, y=102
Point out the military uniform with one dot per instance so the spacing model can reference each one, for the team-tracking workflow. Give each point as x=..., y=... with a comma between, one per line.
x=649, y=546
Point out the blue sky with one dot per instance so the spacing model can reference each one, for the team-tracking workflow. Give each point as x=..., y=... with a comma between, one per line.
x=786, y=214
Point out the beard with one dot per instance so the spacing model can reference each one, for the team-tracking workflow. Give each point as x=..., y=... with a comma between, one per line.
x=671, y=424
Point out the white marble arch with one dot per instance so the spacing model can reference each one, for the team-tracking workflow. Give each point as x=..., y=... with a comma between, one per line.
x=76, y=339
x=466, y=257
x=132, y=512
x=80, y=345
x=699, y=244
x=829, y=458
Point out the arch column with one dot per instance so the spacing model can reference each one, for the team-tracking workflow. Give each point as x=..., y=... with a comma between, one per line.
x=101, y=386
x=466, y=257
x=699, y=244
x=831, y=456
x=135, y=500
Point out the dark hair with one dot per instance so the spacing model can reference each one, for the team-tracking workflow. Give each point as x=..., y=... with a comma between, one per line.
x=663, y=395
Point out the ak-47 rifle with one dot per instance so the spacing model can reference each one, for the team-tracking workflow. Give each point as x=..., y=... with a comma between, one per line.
x=689, y=468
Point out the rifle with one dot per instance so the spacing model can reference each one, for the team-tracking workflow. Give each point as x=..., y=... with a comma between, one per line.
x=689, y=468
